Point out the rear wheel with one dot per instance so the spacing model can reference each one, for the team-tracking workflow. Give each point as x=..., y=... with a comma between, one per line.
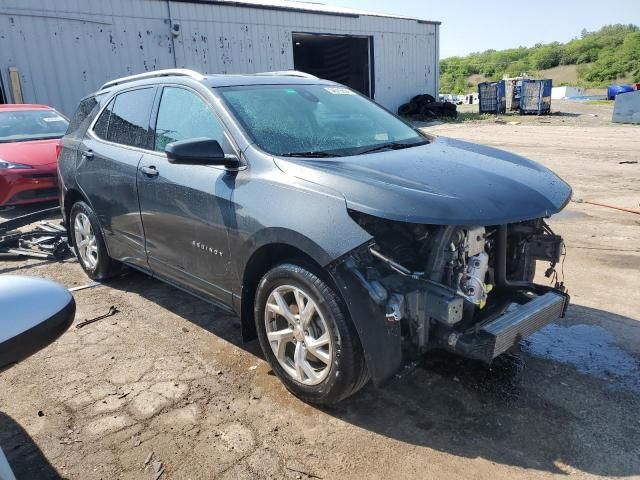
x=89, y=245
x=307, y=338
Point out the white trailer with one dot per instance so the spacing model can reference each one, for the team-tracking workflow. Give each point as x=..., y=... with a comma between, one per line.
x=558, y=93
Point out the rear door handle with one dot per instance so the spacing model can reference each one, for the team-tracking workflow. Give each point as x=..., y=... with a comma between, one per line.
x=150, y=171
x=88, y=154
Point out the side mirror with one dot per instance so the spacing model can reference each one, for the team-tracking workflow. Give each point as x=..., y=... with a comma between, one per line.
x=35, y=312
x=200, y=151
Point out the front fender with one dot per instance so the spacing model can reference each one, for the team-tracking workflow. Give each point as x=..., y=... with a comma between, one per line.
x=380, y=339
x=283, y=236
x=299, y=214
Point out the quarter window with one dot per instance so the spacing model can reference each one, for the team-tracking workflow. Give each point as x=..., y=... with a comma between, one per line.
x=183, y=115
x=82, y=113
x=101, y=125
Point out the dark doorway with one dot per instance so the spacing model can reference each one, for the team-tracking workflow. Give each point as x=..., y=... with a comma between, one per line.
x=333, y=57
x=3, y=98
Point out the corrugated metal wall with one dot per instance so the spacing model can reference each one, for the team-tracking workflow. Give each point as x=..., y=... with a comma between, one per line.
x=65, y=49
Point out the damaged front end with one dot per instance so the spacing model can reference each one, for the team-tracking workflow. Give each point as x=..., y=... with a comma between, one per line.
x=466, y=289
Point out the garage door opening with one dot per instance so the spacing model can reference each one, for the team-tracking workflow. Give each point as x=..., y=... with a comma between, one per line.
x=3, y=98
x=338, y=58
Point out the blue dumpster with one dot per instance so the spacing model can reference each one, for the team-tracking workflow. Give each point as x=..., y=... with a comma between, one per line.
x=491, y=97
x=535, y=96
x=613, y=90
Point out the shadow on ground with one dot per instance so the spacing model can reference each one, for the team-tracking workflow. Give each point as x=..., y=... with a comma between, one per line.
x=530, y=409
x=24, y=457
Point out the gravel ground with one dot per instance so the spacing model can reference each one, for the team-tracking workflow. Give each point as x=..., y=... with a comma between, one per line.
x=168, y=380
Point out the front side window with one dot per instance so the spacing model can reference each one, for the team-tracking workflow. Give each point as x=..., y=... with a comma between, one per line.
x=316, y=120
x=183, y=115
x=25, y=125
x=126, y=119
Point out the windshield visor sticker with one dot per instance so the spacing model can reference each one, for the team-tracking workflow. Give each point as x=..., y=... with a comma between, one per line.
x=339, y=91
x=53, y=119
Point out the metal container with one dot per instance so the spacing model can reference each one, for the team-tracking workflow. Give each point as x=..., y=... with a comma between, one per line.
x=492, y=97
x=627, y=108
x=512, y=93
x=535, y=96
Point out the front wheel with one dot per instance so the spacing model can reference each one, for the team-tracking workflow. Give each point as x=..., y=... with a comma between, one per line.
x=306, y=336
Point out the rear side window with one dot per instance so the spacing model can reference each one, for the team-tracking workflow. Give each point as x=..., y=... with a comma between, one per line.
x=126, y=119
x=183, y=115
x=79, y=118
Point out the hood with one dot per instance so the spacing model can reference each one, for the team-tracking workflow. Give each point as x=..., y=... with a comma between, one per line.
x=445, y=182
x=34, y=153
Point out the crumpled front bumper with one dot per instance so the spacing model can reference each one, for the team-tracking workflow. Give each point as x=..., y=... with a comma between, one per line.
x=506, y=331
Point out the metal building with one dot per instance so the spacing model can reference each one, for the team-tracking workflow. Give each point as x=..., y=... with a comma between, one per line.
x=55, y=52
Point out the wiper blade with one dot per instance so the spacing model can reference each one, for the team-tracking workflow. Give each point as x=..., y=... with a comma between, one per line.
x=390, y=146
x=310, y=154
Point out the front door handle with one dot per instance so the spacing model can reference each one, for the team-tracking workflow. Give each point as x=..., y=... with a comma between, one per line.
x=88, y=154
x=150, y=171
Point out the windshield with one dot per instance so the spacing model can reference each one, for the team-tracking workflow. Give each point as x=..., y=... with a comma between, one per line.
x=23, y=125
x=316, y=120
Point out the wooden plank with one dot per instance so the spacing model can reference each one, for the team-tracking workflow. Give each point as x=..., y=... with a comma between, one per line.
x=16, y=90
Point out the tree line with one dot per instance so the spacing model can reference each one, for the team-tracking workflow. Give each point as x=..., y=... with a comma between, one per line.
x=601, y=57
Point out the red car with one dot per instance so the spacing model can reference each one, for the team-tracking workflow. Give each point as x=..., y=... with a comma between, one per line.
x=29, y=143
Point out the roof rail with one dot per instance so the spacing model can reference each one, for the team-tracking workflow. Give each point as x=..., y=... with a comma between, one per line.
x=290, y=73
x=180, y=72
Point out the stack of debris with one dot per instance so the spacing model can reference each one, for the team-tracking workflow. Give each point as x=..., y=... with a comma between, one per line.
x=424, y=107
x=46, y=240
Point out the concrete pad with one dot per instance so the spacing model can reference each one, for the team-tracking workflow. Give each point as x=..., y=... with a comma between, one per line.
x=108, y=424
x=147, y=404
x=180, y=418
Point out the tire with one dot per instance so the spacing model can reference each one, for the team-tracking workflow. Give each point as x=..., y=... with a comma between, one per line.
x=96, y=264
x=426, y=98
x=405, y=109
x=421, y=100
x=342, y=372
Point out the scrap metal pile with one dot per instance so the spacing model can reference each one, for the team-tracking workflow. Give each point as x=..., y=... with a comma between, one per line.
x=424, y=107
x=46, y=240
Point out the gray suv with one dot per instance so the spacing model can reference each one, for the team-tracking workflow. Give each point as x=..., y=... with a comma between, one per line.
x=345, y=239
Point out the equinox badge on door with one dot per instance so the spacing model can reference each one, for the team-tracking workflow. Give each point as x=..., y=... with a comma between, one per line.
x=206, y=248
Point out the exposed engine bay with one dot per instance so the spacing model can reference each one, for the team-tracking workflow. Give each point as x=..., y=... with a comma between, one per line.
x=468, y=289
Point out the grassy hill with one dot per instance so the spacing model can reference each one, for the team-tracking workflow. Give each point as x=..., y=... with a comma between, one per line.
x=594, y=60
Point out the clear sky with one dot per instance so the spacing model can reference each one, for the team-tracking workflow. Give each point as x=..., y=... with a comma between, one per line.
x=477, y=25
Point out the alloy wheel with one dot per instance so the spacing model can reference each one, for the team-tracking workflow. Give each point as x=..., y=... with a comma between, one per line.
x=86, y=241
x=299, y=335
